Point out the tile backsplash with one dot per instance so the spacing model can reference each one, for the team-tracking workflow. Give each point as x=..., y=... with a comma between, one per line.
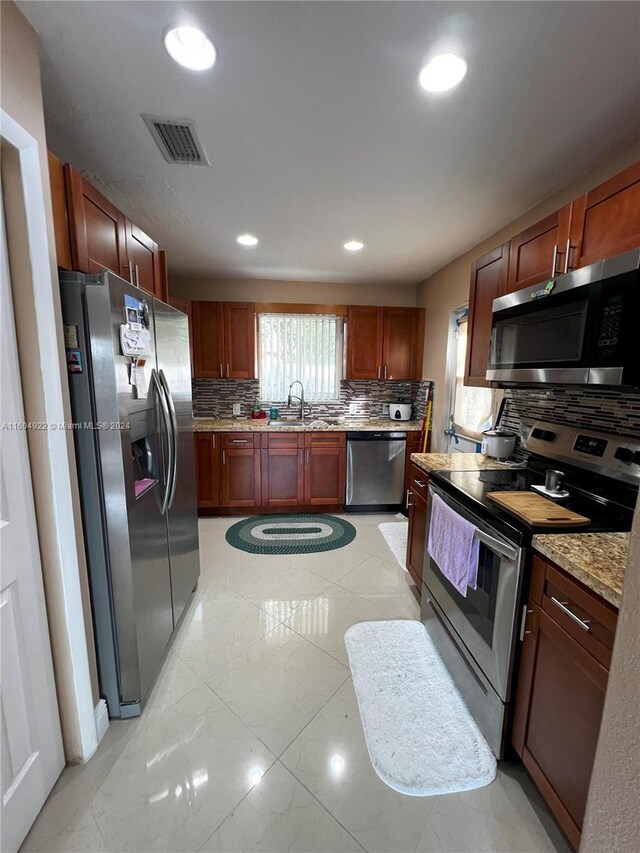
x=214, y=398
x=607, y=411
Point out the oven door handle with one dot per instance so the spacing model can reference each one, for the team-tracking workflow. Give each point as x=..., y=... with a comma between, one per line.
x=496, y=545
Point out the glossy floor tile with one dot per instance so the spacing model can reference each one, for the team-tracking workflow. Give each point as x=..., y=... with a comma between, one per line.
x=251, y=738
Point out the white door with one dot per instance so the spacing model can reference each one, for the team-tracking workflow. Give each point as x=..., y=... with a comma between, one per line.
x=31, y=743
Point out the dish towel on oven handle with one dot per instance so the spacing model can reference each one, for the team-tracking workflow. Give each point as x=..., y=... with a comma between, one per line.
x=453, y=545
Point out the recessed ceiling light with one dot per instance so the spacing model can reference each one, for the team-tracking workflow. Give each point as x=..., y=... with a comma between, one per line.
x=443, y=72
x=354, y=246
x=247, y=240
x=190, y=47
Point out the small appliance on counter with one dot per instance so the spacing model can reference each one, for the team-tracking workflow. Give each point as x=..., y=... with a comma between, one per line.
x=400, y=411
x=499, y=443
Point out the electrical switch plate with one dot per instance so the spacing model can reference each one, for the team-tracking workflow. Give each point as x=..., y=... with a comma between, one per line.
x=236, y=408
x=353, y=408
x=385, y=408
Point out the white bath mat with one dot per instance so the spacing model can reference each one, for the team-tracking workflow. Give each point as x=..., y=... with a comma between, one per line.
x=395, y=534
x=422, y=740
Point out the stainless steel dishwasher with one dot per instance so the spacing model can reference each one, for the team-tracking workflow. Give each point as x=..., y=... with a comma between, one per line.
x=375, y=471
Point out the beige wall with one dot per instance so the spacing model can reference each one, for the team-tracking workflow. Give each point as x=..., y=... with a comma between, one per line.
x=612, y=821
x=21, y=98
x=307, y=292
x=447, y=289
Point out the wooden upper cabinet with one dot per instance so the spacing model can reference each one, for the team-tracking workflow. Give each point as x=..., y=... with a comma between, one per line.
x=208, y=340
x=97, y=228
x=403, y=343
x=142, y=266
x=488, y=281
x=364, y=342
x=240, y=340
x=606, y=220
x=540, y=252
x=60, y=215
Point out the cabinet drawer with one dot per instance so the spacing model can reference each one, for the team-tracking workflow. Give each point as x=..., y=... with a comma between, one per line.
x=419, y=482
x=240, y=440
x=284, y=440
x=589, y=621
x=324, y=439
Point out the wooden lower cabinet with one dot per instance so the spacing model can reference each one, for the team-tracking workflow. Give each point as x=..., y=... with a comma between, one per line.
x=325, y=468
x=417, y=495
x=207, y=469
x=282, y=466
x=240, y=470
x=561, y=688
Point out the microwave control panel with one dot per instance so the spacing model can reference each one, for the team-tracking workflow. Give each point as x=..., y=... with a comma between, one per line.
x=610, y=330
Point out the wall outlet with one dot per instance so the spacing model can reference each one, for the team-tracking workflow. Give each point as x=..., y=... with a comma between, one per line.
x=353, y=408
x=236, y=408
x=385, y=408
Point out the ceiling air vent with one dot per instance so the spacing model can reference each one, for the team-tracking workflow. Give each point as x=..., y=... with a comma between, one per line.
x=177, y=139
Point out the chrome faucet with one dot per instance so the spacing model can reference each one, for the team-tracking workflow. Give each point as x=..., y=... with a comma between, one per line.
x=294, y=397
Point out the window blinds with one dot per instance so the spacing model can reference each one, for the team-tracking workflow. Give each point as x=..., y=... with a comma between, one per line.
x=307, y=347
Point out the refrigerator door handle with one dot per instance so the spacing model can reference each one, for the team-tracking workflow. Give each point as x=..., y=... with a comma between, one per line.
x=174, y=432
x=168, y=430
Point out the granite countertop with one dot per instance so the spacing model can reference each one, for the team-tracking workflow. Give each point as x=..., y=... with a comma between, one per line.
x=598, y=560
x=262, y=425
x=430, y=462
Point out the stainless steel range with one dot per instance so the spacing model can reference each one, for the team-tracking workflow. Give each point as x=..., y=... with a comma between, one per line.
x=476, y=634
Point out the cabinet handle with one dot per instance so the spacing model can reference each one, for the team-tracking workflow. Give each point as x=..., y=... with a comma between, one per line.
x=421, y=484
x=568, y=252
x=228, y=372
x=379, y=371
x=221, y=372
x=239, y=440
x=408, y=502
x=137, y=276
x=584, y=624
x=385, y=371
x=213, y=436
x=523, y=623
x=224, y=457
x=554, y=261
x=130, y=272
x=307, y=457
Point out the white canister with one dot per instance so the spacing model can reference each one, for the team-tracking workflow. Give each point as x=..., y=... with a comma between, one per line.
x=400, y=411
x=498, y=443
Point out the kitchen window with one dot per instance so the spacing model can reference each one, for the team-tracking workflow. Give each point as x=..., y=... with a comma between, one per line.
x=307, y=347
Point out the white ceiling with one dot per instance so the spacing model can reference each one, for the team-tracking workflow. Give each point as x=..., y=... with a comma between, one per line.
x=317, y=132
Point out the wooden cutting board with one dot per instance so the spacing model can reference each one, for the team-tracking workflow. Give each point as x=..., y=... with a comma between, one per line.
x=536, y=510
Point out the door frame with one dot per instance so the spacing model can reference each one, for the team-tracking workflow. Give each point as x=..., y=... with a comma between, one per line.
x=46, y=399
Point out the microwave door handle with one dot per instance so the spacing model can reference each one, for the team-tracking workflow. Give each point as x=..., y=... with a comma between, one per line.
x=496, y=545
x=174, y=431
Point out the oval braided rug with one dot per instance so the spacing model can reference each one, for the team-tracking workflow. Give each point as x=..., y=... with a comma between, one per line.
x=291, y=533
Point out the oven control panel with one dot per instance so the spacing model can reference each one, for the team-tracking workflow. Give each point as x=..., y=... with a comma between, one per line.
x=611, y=455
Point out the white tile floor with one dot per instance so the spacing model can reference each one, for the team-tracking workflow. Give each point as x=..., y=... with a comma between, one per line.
x=251, y=739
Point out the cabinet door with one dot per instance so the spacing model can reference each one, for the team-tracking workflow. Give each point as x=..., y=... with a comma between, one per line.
x=97, y=227
x=417, y=537
x=60, y=214
x=208, y=340
x=207, y=469
x=142, y=266
x=364, y=342
x=183, y=305
x=539, y=253
x=606, y=220
x=325, y=469
x=402, y=348
x=240, y=470
x=488, y=281
x=559, y=703
x=240, y=340
x=283, y=470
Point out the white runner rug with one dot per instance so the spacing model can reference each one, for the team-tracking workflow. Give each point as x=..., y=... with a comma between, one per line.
x=395, y=534
x=422, y=740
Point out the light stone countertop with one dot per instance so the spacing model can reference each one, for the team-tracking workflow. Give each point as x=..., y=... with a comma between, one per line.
x=430, y=462
x=598, y=560
x=344, y=425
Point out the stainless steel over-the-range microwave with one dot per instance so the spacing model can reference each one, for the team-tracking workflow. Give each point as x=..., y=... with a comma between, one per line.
x=578, y=329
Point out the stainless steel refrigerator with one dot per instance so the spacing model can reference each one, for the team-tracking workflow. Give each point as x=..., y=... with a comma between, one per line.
x=130, y=381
